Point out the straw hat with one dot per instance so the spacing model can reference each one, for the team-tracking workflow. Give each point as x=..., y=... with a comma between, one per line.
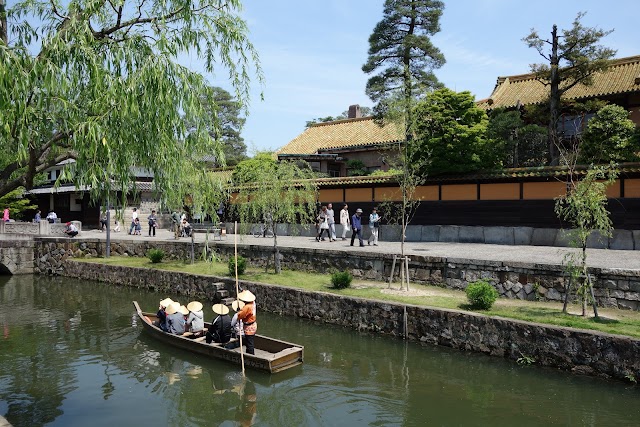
x=184, y=310
x=165, y=302
x=237, y=305
x=194, y=306
x=246, y=296
x=173, y=308
x=220, y=309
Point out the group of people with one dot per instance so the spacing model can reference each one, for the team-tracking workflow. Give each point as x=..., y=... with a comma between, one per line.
x=181, y=226
x=174, y=318
x=325, y=221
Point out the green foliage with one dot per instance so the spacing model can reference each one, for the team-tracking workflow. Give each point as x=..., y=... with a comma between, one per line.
x=100, y=83
x=401, y=51
x=525, y=360
x=155, y=255
x=341, y=279
x=451, y=129
x=631, y=378
x=390, y=171
x=17, y=203
x=242, y=266
x=356, y=167
x=609, y=137
x=481, y=295
x=516, y=144
x=250, y=170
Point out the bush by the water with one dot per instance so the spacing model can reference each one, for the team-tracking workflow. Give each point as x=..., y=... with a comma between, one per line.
x=341, y=279
x=155, y=255
x=481, y=295
x=242, y=265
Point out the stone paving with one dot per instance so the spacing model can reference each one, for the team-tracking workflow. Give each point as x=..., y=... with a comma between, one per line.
x=599, y=258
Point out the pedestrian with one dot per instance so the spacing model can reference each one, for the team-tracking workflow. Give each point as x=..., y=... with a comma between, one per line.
x=323, y=222
x=71, y=230
x=5, y=215
x=248, y=316
x=344, y=220
x=38, y=217
x=134, y=216
x=331, y=220
x=153, y=223
x=103, y=221
x=374, y=224
x=356, y=227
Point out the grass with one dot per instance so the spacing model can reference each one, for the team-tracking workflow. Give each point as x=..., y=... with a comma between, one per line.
x=611, y=321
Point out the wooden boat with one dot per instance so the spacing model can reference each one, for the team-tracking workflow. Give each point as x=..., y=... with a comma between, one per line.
x=272, y=355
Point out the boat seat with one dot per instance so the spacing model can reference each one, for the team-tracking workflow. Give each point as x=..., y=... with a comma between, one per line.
x=187, y=334
x=200, y=339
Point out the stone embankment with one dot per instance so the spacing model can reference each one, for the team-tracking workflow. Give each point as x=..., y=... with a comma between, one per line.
x=569, y=349
x=518, y=280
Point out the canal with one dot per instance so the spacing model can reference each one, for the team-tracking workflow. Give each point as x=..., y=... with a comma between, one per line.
x=73, y=354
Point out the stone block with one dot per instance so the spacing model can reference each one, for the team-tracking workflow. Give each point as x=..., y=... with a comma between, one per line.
x=522, y=235
x=469, y=234
x=414, y=233
x=543, y=236
x=636, y=239
x=449, y=233
x=565, y=238
x=628, y=305
x=621, y=240
x=499, y=235
x=389, y=233
x=430, y=233
x=597, y=241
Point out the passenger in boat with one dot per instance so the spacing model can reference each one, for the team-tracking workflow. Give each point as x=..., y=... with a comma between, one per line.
x=220, y=329
x=162, y=315
x=185, y=312
x=237, y=327
x=175, y=319
x=248, y=316
x=195, y=321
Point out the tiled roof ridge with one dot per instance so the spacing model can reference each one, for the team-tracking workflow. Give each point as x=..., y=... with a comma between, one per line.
x=336, y=122
x=532, y=76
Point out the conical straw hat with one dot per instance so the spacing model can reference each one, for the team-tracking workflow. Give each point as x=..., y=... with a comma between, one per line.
x=173, y=308
x=237, y=305
x=194, y=306
x=184, y=310
x=165, y=302
x=246, y=296
x=220, y=309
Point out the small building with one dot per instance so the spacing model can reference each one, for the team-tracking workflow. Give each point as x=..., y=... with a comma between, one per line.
x=331, y=147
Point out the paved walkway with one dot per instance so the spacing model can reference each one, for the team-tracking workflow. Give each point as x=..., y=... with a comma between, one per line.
x=600, y=258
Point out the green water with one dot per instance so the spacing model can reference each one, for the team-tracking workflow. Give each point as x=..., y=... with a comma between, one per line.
x=73, y=354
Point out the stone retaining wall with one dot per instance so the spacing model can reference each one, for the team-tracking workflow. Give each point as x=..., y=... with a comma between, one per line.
x=517, y=280
x=569, y=349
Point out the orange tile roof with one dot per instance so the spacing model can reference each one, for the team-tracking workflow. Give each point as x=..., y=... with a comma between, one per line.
x=342, y=133
x=623, y=76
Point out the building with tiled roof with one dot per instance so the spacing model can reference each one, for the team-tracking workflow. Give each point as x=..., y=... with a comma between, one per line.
x=619, y=84
x=329, y=146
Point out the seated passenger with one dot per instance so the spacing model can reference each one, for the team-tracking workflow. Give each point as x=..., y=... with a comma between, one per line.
x=237, y=327
x=175, y=319
x=220, y=329
x=162, y=315
x=195, y=321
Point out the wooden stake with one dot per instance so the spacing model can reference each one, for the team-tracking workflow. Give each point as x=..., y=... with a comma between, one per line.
x=406, y=265
x=235, y=244
x=393, y=270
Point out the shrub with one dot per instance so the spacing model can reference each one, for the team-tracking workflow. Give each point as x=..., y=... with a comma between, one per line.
x=341, y=279
x=481, y=295
x=155, y=255
x=242, y=265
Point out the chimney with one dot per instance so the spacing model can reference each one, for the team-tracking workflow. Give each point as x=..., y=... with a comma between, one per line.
x=354, y=112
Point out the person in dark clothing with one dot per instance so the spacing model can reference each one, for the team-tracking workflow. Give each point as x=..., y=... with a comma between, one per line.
x=356, y=226
x=220, y=329
x=162, y=315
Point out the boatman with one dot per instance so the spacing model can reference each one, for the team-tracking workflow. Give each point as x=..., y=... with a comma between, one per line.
x=248, y=316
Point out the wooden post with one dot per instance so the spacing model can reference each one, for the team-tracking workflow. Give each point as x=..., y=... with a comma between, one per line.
x=235, y=244
x=393, y=270
x=406, y=265
x=405, y=320
x=593, y=297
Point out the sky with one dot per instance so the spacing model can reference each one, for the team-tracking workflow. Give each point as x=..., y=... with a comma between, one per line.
x=312, y=52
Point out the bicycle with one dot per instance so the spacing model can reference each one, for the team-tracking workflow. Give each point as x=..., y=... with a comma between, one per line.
x=259, y=230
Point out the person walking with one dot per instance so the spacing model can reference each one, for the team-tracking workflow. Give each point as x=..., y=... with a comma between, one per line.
x=331, y=221
x=153, y=223
x=134, y=216
x=344, y=220
x=356, y=226
x=38, y=217
x=103, y=221
x=374, y=224
x=323, y=224
x=5, y=214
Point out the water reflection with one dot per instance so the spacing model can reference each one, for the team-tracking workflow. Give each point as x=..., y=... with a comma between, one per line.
x=72, y=354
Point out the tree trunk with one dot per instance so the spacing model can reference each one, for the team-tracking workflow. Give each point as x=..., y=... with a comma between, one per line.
x=554, y=99
x=276, y=253
x=567, y=293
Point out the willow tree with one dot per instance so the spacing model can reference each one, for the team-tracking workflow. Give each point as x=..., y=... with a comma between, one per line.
x=99, y=82
x=274, y=192
x=572, y=58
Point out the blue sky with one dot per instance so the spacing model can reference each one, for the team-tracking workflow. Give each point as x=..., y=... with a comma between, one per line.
x=312, y=51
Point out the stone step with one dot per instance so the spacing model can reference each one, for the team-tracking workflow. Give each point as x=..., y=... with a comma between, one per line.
x=227, y=300
x=222, y=293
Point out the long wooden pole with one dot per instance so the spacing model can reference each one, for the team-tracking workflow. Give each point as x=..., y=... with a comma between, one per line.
x=235, y=244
